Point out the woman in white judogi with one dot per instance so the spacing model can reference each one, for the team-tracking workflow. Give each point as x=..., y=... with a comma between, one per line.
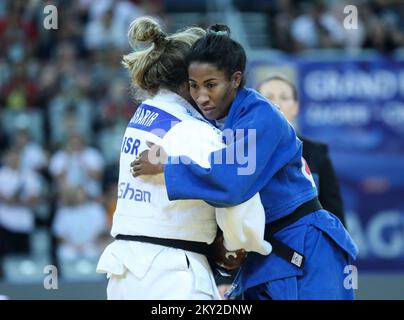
x=143, y=270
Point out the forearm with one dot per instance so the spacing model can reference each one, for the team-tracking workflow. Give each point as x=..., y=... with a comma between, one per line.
x=220, y=185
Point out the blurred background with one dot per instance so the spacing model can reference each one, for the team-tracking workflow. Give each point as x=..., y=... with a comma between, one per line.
x=65, y=101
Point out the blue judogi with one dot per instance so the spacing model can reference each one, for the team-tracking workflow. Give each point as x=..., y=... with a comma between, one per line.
x=284, y=183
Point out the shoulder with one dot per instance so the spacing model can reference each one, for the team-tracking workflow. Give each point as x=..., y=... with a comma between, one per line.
x=191, y=129
x=151, y=111
x=250, y=105
x=194, y=139
x=167, y=108
x=252, y=100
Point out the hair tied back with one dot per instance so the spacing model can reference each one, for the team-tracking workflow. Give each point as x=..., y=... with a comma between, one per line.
x=160, y=39
x=219, y=30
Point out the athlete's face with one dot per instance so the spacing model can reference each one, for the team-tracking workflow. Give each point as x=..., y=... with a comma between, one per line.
x=211, y=89
x=183, y=91
x=281, y=93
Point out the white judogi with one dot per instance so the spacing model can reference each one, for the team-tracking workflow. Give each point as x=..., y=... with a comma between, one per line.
x=147, y=271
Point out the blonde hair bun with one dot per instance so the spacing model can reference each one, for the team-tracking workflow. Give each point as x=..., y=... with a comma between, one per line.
x=145, y=29
x=163, y=63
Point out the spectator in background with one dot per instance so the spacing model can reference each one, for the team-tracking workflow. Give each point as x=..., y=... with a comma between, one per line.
x=114, y=113
x=32, y=154
x=284, y=94
x=108, y=24
x=384, y=32
x=79, y=225
x=20, y=190
x=80, y=219
x=70, y=111
x=18, y=31
x=280, y=18
x=19, y=92
x=78, y=165
x=317, y=28
x=102, y=32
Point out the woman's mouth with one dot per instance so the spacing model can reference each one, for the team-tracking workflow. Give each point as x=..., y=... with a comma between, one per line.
x=207, y=109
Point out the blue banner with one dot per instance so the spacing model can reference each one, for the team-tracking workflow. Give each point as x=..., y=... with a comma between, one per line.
x=360, y=99
x=357, y=108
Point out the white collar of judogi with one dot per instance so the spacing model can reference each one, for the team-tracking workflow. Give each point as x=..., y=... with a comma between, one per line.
x=171, y=97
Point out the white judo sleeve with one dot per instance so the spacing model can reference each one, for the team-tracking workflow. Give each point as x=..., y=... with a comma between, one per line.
x=243, y=226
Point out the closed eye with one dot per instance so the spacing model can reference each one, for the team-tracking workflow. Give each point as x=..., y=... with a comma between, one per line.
x=286, y=98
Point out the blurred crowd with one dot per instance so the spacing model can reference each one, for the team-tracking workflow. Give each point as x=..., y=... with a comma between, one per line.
x=65, y=102
x=297, y=25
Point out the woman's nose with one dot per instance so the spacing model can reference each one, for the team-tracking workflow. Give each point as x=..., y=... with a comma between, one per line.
x=202, y=99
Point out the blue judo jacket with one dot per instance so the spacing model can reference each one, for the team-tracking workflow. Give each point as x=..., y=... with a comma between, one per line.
x=280, y=176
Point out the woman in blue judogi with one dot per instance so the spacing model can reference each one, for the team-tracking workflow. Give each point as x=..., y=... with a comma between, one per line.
x=311, y=248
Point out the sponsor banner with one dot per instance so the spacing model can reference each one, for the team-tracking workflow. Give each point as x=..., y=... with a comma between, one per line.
x=357, y=108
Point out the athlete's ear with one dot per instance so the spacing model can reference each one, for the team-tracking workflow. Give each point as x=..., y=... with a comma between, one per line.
x=236, y=79
x=296, y=109
x=150, y=144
